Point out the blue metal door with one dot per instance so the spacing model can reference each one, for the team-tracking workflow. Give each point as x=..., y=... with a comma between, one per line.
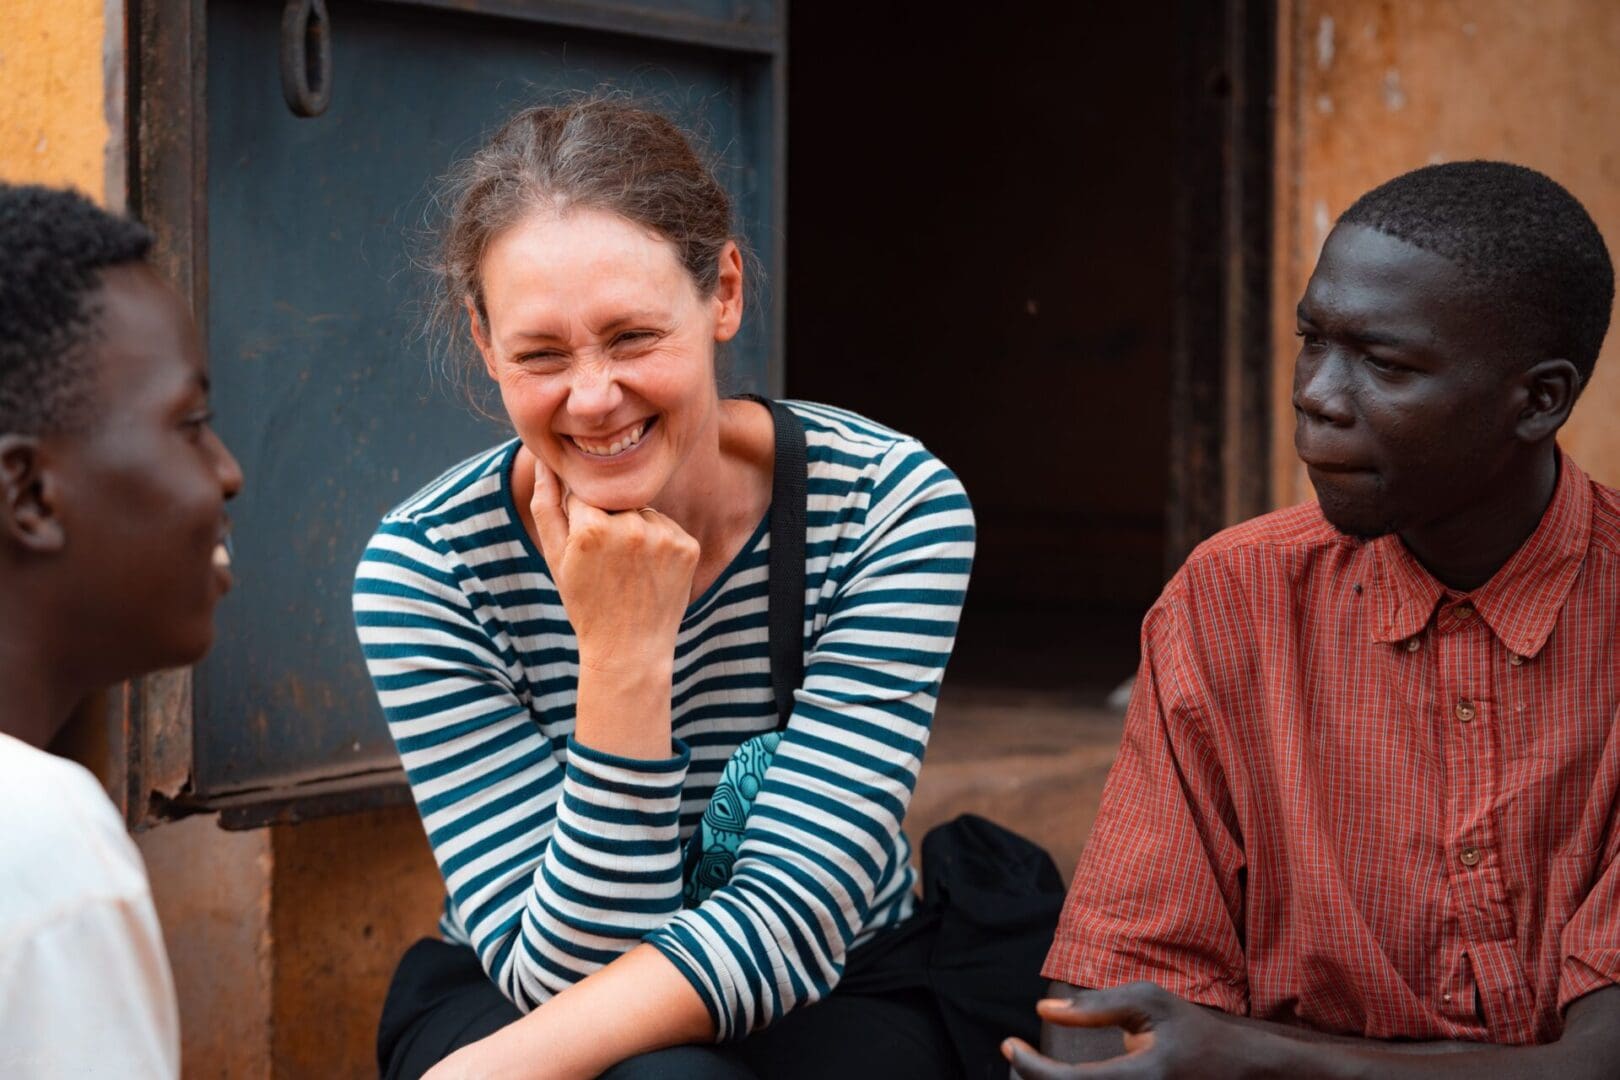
x=324, y=386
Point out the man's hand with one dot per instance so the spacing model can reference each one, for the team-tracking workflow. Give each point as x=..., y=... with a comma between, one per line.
x=1165, y=1037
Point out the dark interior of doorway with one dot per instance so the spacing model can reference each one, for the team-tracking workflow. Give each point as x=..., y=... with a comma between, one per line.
x=980, y=245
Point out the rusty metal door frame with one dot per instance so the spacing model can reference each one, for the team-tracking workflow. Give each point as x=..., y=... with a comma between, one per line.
x=1221, y=351
x=150, y=721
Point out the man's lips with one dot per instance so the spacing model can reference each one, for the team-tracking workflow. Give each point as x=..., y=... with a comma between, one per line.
x=1322, y=456
x=1336, y=466
x=221, y=560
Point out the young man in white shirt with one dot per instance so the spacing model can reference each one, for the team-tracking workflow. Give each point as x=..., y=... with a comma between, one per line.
x=112, y=522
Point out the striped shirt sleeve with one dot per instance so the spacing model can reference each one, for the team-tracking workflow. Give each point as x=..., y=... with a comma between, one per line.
x=820, y=849
x=554, y=867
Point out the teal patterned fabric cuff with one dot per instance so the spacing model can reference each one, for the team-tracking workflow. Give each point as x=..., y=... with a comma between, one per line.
x=711, y=851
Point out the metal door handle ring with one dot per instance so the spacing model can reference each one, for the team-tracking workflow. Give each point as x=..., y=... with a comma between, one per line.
x=306, y=57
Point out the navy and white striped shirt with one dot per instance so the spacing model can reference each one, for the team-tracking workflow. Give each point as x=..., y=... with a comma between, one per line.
x=559, y=858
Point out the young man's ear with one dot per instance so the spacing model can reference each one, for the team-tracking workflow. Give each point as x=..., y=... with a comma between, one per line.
x=29, y=516
x=1550, y=389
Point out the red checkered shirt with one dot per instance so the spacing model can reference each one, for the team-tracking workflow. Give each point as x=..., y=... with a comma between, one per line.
x=1352, y=799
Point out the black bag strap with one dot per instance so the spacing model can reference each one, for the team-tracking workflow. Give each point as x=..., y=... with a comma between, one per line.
x=789, y=494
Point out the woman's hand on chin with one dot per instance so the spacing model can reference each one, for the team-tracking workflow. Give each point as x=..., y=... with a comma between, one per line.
x=625, y=579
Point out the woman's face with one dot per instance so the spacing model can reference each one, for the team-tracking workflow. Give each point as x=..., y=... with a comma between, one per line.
x=603, y=350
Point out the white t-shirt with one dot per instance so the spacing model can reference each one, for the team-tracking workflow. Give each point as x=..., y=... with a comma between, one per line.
x=85, y=988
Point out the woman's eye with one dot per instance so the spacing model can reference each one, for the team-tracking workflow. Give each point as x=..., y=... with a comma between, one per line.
x=634, y=337
x=1308, y=340
x=196, y=422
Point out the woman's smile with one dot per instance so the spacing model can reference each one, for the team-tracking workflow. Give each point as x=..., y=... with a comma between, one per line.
x=614, y=446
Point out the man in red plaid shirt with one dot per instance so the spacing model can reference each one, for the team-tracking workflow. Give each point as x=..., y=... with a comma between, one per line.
x=1364, y=819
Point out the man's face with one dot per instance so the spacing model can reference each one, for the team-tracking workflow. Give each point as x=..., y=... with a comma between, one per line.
x=144, y=484
x=1403, y=387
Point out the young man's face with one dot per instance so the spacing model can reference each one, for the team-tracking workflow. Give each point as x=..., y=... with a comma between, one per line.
x=144, y=485
x=1403, y=388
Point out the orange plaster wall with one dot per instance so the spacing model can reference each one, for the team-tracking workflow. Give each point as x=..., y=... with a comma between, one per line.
x=212, y=890
x=53, y=108
x=350, y=895
x=1372, y=88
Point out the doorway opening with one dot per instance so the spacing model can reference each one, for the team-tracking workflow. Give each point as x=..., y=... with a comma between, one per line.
x=981, y=253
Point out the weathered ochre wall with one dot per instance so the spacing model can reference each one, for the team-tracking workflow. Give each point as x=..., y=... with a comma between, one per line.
x=1372, y=88
x=283, y=940
x=350, y=894
x=212, y=891
x=53, y=106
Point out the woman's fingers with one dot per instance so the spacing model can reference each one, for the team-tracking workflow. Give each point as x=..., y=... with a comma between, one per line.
x=550, y=515
x=580, y=513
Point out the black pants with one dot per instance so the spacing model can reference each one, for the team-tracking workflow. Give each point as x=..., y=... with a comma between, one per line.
x=871, y=1025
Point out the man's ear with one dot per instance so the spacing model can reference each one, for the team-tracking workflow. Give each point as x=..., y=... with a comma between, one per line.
x=1550, y=389
x=29, y=515
x=480, y=336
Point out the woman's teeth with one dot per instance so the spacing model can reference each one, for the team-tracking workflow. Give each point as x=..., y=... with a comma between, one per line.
x=618, y=446
x=222, y=557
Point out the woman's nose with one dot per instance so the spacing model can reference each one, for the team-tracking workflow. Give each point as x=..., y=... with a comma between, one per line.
x=593, y=391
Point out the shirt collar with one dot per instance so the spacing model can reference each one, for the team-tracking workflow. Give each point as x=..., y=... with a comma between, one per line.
x=1521, y=602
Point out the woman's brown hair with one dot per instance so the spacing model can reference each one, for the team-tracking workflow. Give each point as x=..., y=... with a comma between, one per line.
x=601, y=153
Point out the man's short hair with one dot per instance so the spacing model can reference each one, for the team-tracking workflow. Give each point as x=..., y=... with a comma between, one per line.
x=1527, y=243
x=53, y=246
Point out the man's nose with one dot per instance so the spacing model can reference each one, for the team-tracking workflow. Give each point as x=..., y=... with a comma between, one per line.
x=229, y=470
x=1321, y=387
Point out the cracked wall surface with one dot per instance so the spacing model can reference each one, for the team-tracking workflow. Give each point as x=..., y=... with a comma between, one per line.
x=1371, y=88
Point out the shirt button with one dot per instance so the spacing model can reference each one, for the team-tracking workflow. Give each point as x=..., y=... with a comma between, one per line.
x=1516, y=660
x=1446, y=997
x=1465, y=711
x=1465, y=611
x=1413, y=644
x=1468, y=856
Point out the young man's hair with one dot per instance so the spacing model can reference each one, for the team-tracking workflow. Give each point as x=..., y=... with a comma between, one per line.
x=53, y=246
x=1528, y=245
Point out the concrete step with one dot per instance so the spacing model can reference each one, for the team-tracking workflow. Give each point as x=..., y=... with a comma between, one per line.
x=1031, y=761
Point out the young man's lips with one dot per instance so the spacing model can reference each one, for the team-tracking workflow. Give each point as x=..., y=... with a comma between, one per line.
x=222, y=564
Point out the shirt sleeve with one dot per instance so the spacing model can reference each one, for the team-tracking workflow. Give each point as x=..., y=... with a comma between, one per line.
x=554, y=869
x=822, y=842
x=1157, y=894
x=1591, y=939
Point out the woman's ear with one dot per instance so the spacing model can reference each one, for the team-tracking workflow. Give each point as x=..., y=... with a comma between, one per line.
x=480, y=336
x=1550, y=389
x=29, y=516
x=728, y=293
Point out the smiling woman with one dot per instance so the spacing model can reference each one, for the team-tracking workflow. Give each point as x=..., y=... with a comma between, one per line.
x=569, y=637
